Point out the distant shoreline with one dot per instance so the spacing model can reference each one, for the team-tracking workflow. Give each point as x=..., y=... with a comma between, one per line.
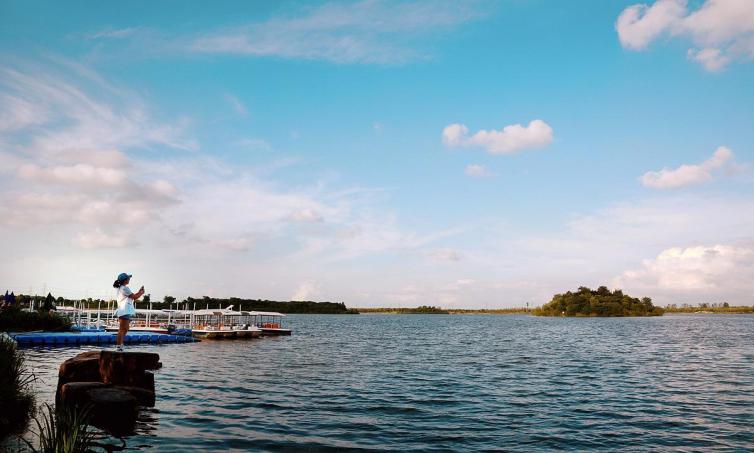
x=438, y=311
x=738, y=310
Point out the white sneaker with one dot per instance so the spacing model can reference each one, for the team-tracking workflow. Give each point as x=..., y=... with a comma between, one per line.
x=119, y=348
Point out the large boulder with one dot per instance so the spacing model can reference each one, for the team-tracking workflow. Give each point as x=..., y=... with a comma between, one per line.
x=143, y=397
x=128, y=368
x=112, y=384
x=113, y=409
x=76, y=392
x=82, y=368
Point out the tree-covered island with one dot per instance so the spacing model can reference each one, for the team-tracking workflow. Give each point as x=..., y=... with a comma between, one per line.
x=600, y=302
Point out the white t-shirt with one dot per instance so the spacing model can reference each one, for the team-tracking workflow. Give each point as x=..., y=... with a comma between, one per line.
x=125, y=303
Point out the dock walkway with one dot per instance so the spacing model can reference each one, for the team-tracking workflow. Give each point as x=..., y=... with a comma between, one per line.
x=71, y=338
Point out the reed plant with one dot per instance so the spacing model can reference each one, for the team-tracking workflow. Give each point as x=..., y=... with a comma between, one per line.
x=62, y=429
x=16, y=397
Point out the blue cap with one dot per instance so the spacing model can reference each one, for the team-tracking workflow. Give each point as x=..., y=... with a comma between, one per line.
x=123, y=277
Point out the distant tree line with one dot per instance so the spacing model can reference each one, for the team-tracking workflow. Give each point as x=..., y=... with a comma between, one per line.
x=421, y=310
x=49, y=302
x=719, y=307
x=599, y=302
x=290, y=307
x=491, y=311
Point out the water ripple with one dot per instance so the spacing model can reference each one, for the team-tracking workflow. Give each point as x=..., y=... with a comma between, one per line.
x=450, y=383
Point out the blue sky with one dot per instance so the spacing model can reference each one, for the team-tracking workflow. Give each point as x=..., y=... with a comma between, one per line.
x=476, y=154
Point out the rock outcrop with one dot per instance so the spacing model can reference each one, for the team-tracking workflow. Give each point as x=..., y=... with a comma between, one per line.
x=112, y=384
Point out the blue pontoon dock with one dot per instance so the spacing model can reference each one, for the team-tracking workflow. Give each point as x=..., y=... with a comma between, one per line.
x=70, y=338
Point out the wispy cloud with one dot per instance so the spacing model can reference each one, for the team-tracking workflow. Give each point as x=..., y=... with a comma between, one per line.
x=688, y=175
x=369, y=31
x=80, y=171
x=238, y=106
x=114, y=33
x=67, y=162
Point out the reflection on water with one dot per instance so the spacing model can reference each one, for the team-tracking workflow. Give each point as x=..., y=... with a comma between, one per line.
x=454, y=382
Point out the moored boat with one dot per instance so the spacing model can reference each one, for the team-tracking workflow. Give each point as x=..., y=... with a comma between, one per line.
x=207, y=332
x=247, y=331
x=270, y=323
x=152, y=321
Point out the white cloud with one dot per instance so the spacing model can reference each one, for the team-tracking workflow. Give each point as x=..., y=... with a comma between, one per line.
x=454, y=135
x=476, y=171
x=97, y=238
x=713, y=60
x=639, y=24
x=308, y=290
x=721, y=30
x=713, y=271
x=369, y=31
x=509, y=139
x=83, y=174
x=627, y=232
x=688, y=175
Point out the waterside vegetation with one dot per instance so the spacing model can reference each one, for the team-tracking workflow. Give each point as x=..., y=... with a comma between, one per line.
x=16, y=397
x=600, y=302
x=62, y=429
x=14, y=319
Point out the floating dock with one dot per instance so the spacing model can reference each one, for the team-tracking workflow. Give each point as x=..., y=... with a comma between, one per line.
x=70, y=338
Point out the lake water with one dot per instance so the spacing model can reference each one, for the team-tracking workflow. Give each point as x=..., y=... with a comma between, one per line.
x=459, y=382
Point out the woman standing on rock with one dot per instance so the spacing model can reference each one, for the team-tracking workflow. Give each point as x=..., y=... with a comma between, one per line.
x=126, y=299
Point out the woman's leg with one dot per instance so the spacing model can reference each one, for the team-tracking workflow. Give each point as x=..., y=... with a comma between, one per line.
x=122, y=330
